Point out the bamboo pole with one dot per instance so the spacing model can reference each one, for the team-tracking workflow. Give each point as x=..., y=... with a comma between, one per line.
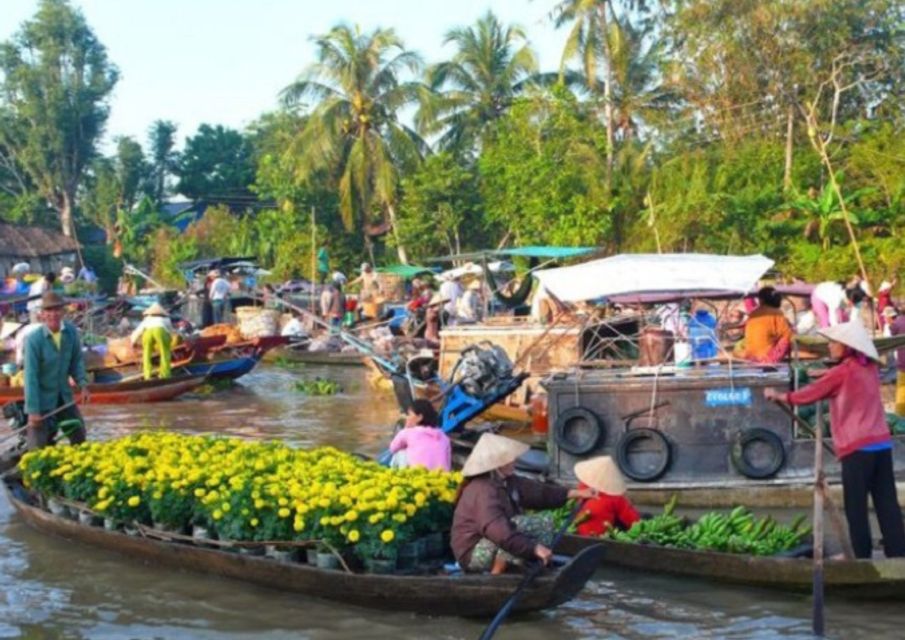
x=313, y=257
x=817, y=618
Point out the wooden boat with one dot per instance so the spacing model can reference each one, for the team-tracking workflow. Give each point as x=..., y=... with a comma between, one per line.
x=340, y=358
x=463, y=595
x=125, y=392
x=225, y=369
x=882, y=578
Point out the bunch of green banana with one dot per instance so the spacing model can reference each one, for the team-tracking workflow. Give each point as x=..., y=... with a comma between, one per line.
x=736, y=532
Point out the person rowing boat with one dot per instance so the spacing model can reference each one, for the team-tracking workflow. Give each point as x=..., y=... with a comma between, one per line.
x=490, y=530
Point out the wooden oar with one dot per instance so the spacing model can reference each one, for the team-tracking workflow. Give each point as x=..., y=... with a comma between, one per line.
x=530, y=575
x=42, y=418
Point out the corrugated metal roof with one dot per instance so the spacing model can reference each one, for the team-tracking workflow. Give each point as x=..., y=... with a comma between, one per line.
x=22, y=241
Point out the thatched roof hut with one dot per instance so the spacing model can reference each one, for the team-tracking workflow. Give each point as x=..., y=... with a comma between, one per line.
x=44, y=249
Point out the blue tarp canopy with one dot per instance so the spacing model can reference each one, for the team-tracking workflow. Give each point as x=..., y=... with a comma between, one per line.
x=543, y=252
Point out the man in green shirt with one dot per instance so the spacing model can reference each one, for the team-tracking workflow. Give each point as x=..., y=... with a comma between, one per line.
x=53, y=355
x=323, y=264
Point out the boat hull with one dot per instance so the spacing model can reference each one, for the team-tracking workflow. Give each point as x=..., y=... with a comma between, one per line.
x=467, y=595
x=231, y=369
x=125, y=392
x=883, y=578
x=337, y=358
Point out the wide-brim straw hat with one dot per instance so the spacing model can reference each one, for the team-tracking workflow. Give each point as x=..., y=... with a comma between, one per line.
x=886, y=285
x=852, y=334
x=602, y=474
x=492, y=452
x=437, y=299
x=155, y=310
x=51, y=300
x=890, y=312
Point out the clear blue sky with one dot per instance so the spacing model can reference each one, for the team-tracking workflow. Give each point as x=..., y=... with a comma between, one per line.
x=225, y=61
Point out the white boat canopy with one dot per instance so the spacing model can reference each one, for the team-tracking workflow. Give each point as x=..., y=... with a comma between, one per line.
x=654, y=273
x=472, y=269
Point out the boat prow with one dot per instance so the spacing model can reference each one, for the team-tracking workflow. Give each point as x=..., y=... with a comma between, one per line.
x=435, y=594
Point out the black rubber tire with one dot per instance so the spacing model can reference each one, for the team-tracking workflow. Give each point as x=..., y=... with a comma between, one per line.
x=631, y=437
x=564, y=424
x=757, y=434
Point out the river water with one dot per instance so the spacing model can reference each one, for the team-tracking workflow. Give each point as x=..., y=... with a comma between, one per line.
x=57, y=589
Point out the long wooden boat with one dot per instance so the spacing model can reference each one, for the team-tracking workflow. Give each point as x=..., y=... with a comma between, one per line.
x=882, y=578
x=462, y=595
x=125, y=392
x=225, y=369
x=339, y=358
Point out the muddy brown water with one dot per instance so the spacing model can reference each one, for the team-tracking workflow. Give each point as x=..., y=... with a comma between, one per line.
x=58, y=589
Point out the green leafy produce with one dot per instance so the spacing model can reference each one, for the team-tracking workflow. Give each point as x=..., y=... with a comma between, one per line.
x=318, y=387
x=736, y=532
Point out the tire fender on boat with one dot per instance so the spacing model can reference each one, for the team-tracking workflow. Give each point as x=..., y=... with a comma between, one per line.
x=631, y=438
x=578, y=431
x=747, y=437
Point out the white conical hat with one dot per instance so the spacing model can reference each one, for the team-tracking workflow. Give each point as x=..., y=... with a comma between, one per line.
x=492, y=452
x=601, y=473
x=155, y=310
x=852, y=334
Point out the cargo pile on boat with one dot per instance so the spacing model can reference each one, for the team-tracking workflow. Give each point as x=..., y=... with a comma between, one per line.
x=736, y=532
x=244, y=492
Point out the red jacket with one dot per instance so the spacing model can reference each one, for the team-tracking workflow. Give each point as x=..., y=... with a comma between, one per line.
x=857, y=419
x=600, y=513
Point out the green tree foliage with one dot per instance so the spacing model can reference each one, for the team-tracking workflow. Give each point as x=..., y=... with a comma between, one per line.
x=217, y=166
x=164, y=160
x=492, y=64
x=353, y=131
x=55, y=87
x=113, y=186
x=441, y=211
x=542, y=173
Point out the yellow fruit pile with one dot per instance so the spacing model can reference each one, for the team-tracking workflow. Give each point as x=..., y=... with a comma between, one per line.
x=246, y=490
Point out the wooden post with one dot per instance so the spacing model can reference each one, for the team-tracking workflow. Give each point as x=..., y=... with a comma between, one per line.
x=313, y=258
x=817, y=620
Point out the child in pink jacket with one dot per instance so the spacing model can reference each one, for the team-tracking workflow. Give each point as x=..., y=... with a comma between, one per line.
x=421, y=442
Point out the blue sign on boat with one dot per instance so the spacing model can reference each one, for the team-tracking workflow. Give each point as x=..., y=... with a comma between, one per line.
x=727, y=397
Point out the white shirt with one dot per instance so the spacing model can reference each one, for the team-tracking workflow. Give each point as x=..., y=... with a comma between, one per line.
x=151, y=322
x=219, y=289
x=806, y=324
x=833, y=296
x=469, y=306
x=294, y=329
x=451, y=291
x=37, y=288
x=20, y=341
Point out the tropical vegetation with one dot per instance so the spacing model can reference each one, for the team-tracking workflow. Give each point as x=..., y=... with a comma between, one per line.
x=721, y=126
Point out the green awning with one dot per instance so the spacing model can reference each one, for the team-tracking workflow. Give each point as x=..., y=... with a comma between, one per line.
x=404, y=270
x=543, y=252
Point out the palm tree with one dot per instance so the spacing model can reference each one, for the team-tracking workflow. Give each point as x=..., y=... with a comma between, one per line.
x=353, y=132
x=588, y=41
x=638, y=95
x=492, y=64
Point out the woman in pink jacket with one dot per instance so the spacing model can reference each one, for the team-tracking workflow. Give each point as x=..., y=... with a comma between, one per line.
x=421, y=440
x=860, y=436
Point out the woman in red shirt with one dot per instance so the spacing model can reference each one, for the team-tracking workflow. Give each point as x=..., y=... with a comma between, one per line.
x=609, y=507
x=860, y=436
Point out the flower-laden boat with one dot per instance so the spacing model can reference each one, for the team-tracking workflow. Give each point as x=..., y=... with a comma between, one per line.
x=150, y=489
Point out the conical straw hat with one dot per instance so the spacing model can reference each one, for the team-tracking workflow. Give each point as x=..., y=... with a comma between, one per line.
x=492, y=452
x=852, y=334
x=155, y=310
x=601, y=473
